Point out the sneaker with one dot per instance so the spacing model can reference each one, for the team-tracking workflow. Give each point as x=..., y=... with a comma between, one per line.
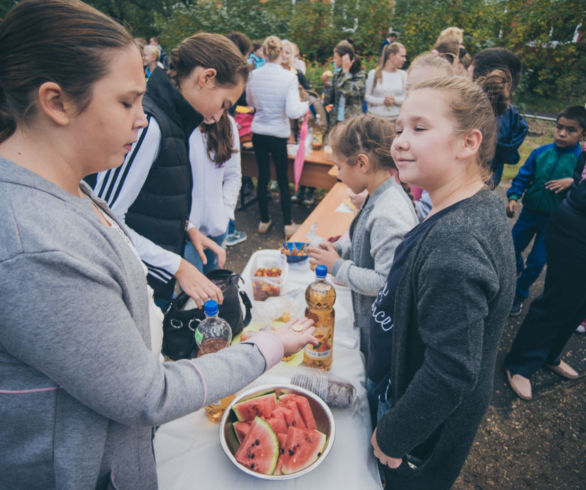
x=264, y=226
x=309, y=200
x=273, y=186
x=290, y=230
x=517, y=307
x=582, y=327
x=298, y=196
x=235, y=238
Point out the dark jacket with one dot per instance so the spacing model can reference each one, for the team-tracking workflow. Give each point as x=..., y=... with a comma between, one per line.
x=162, y=207
x=512, y=131
x=548, y=162
x=350, y=85
x=451, y=305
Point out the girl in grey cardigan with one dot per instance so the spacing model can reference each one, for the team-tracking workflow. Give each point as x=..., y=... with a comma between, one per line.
x=80, y=390
x=361, y=148
x=449, y=290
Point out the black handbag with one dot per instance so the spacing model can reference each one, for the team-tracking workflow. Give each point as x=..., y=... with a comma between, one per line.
x=179, y=324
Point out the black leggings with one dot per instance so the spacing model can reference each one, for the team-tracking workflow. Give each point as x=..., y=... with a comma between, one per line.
x=265, y=147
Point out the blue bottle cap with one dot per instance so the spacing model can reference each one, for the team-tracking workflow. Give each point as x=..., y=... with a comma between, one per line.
x=210, y=308
x=321, y=271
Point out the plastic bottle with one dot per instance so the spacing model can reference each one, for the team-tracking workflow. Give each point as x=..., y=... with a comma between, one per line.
x=320, y=297
x=317, y=136
x=213, y=334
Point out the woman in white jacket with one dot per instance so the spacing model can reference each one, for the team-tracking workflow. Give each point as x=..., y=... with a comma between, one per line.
x=273, y=92
x=214, y=154
x=386, y=86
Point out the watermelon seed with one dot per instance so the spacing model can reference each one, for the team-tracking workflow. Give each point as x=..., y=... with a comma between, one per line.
x=291, y=452
x=257, y=442
x=252, y=466
x=282, y=451
x=251, y=456
x=318, y=455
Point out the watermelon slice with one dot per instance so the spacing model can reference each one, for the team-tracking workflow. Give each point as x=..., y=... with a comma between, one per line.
x=260, y=449
x=302, y=448
x=282, y=437
x=277, y=423
x=241, y=429
x=261, y=406
x=293, y=416
x=303, y=406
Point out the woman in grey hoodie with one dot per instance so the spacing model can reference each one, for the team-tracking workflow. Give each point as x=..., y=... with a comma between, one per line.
x=80, y=390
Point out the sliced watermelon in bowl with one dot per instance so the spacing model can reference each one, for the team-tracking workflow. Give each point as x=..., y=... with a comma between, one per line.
x=293, y=399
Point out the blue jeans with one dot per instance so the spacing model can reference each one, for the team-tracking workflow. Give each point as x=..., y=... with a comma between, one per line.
x=193, y=257
x=529, y=224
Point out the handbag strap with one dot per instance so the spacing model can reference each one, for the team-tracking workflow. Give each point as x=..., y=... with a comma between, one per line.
x=248, y=306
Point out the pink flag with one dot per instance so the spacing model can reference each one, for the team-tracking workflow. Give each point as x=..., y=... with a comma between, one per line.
x=300, y=156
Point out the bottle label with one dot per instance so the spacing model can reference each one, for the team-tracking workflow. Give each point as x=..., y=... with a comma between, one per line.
x=317, y=354
x=198, y=336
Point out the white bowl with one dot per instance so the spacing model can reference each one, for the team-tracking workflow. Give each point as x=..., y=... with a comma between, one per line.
x=324, y=420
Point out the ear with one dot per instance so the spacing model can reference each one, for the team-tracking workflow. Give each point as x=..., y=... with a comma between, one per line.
x=207, y=77
x=470, y=144
x=363, y=163
x=55, y=104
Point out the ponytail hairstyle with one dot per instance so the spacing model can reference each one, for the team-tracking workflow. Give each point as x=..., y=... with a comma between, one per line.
x=345, y=47
x=498, y=85
x=272, y=47
x=470, y=109
x=369, y=135
x=209, y=51
x=390, y=49
x=491, y=59
x=219, y=140
x=61, y=41
x=449, y=50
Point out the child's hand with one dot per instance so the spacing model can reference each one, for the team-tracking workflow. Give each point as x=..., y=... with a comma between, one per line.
x=296, y=335
x=325, y=255
x=511, y=208
x=559, y=185
x=392, y=463
x=346, y=63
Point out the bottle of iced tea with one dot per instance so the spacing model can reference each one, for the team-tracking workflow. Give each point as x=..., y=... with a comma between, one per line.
x=320, y=297
x=213, y=334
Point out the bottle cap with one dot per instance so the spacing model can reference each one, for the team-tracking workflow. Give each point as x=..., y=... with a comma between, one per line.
x=321, y=271
x=210, y=308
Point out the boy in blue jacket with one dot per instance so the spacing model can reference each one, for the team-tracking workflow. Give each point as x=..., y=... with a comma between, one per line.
x=542, y=182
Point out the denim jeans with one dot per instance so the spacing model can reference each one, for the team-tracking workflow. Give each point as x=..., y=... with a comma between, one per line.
x=529, y=224
x=193, y=257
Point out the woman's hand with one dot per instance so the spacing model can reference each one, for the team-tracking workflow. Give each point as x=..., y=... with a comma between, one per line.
x=389, y=100
x=346, y=63
x=325, y=254
x=559, y=185
x=196, y=285
x=392, y=463
x=201, y=242
x=296, y=335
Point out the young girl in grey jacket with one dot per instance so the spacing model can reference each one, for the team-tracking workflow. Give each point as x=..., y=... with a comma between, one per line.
x=362, y=152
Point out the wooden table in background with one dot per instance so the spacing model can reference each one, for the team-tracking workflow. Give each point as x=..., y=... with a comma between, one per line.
x=315, y=169
x=329, y=221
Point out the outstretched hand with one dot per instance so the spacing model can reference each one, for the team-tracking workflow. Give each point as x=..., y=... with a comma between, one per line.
x=324, y=254
x=196, y=285
x=295, y=335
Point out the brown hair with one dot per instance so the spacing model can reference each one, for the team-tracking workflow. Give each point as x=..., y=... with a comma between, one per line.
x=449, y=50
x=271, y=48
x=470, y=109
x=345, y=47
x=242, y=42
x=390, y=49
x=498, y=85
x=219, y=140
x=63, y=41
x=209, y=51
x=369, y=135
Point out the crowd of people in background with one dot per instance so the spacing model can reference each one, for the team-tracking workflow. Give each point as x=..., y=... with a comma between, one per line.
x=429, y=258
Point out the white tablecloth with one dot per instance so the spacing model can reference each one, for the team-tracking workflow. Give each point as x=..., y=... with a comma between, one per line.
x=188, y=451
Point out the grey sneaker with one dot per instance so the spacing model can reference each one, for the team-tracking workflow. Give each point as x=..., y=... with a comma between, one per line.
x=235, y=238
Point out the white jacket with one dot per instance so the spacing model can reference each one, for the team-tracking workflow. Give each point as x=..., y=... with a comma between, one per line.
x=215, y=189
x=273, y=92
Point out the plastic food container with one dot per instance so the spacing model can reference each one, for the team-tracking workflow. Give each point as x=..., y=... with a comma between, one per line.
x=268, y=270
x=323, y=417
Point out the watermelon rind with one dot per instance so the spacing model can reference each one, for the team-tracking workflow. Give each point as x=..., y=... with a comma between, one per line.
x=258, y=406
x=291, y=462
x=260, y=449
